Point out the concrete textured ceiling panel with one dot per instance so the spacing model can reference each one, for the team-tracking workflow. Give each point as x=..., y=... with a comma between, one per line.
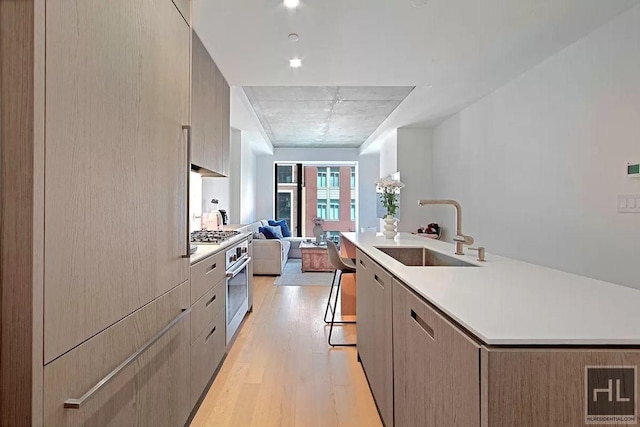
x=323, y=116
x=452, y=51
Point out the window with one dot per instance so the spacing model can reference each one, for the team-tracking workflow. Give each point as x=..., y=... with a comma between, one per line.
x=334, y=209
x=353, y=177
x=322, y=209
x=334, y=236
x=335, y=177
x=284, y=207
x=353, y=209
x=285, y=174
x=322, y=178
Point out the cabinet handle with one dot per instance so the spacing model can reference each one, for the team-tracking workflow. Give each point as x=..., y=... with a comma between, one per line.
x=187, y=253
x=210, y=269
x=73, y=403
x=362, y=264
x=424, y=325
x=210, y=333
x=380, y=282
x=210, y=301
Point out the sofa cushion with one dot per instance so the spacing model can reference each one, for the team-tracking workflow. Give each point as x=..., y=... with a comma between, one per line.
x=271, y=232
x=283, y=225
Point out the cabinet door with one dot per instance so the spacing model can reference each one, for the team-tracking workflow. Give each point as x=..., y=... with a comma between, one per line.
x=205, y=147
x=117, y=95
x=374, y=309
x=151, y=391
x=436, y=367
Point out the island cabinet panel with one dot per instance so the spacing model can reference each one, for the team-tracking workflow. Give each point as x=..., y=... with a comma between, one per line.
x=546, y=387
x=374, y=308
x=117, y=96
x=436, y=367
x=151, y=391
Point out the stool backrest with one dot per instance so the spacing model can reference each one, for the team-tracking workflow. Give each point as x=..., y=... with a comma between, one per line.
x=334, y=257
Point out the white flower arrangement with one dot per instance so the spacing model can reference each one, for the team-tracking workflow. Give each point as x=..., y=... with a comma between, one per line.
x=388, y=188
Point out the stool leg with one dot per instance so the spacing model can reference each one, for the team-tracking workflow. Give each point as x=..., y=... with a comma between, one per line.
x=335, y=305
x=329, y=299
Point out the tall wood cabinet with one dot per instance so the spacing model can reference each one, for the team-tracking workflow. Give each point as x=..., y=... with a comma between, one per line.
x=210, y=114
x=99, y=156
x=117, y=84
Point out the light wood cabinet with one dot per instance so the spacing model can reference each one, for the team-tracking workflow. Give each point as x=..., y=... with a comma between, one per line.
x=210, y=112
x=207, y=352
x=375, y=345
x=151, y=391
x=117, y=95
x=205, y=274
x=208, y=321
x=531, y=387
x=436, y=367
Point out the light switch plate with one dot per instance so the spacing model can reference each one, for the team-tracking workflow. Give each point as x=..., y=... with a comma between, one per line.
x=629, y=203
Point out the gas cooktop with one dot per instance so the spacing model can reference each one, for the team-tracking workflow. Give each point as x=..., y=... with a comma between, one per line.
x=208, y=237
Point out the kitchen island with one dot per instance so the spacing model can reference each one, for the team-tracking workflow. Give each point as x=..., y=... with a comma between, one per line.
x=495, y=343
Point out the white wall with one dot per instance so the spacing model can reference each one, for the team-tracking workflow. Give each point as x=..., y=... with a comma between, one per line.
x=537, y=165
x=368, y=174
x=248, y=183
x=414, y=158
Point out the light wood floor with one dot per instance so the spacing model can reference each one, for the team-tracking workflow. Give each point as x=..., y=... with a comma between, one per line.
x=281, y=371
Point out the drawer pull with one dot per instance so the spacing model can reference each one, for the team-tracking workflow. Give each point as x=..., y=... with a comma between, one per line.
x=72, y=403
x=210, y=333
x=210, y=301
x=210, y=269
x=428, y=329
x=380, y=282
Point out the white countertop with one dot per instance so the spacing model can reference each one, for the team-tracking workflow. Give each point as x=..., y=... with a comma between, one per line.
x=509, y=302
x=205, y=251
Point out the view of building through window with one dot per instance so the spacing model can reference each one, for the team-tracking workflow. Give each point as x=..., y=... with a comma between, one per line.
x=328, y=192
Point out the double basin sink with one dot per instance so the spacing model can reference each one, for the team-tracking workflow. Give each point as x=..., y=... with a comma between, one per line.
x=422, y=257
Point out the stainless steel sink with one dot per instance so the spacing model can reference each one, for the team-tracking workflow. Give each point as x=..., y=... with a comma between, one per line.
x=422, y=257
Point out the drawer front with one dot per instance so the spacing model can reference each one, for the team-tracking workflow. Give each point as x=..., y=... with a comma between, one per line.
x=436, y=366
x=138, y=395
x=206, y=274
x=206, y=308
x=206, y=353
x=380, y=276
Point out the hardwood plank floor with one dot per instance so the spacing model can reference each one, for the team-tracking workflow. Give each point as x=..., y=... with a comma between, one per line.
x=281, y=371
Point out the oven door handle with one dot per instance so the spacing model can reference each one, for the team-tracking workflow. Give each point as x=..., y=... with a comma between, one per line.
x=233, y=273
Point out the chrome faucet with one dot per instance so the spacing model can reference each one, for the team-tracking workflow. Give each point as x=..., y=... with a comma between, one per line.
x=459, y=238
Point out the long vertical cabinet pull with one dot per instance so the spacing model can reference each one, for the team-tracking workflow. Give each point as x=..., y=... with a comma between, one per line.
x=187, y=253
x=74, y=403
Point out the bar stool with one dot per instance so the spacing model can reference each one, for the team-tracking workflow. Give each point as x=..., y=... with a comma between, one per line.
x=343, y=265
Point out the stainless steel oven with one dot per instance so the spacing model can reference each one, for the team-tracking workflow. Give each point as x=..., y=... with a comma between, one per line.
x=237, y=268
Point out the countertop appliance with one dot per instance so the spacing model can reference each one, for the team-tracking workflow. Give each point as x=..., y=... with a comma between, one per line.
x=237, y=262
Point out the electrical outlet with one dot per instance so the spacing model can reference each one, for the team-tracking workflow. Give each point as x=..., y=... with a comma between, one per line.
x=629, y=203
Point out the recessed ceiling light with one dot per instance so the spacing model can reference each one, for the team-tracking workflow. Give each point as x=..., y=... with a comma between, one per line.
x=293, y=37
x=291, y=4
x=295, y=62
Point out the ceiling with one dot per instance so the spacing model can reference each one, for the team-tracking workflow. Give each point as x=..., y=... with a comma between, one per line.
x=452, y=51
x=323, y=116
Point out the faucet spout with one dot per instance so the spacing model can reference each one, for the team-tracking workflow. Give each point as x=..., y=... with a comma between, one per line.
x=460, y=238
